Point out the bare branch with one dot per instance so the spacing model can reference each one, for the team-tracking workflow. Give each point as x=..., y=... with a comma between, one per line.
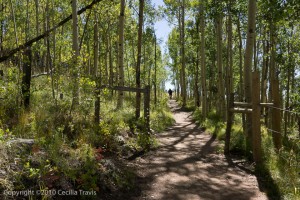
x=46, y=33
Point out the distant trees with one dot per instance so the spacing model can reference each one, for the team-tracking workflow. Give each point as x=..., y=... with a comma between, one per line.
x=228, y=52
x=100, y=45
x=113, y=43
x=177, y=10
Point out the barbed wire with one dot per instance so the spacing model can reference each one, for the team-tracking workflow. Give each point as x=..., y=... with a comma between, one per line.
x=274, y=131
x=295, y=113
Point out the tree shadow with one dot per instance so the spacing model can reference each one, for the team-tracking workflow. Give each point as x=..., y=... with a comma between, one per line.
x=186, y=166
x=267, y=183
x=264, y=178
x=197, y=166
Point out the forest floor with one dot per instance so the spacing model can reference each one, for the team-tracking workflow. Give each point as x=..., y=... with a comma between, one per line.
x=188, y=165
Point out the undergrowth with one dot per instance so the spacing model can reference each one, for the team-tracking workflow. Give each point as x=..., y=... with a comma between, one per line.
x=70, y=151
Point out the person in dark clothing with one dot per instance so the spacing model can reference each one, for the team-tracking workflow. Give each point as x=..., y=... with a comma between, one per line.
x=170, y=93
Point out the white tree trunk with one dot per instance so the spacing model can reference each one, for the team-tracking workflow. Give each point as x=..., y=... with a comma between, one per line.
x=121, y=54
x=221, y=93
x=75, y=48
x=248, y=66
x=139, y=56
x=203, y=63
x=184, y=92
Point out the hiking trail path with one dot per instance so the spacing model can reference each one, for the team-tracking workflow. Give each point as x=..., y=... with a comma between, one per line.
x=187, y=166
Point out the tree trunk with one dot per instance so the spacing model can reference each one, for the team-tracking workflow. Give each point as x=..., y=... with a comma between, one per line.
x=27, y=22
x=121, y=54
x=289, y=75
x=264, y=78
x=49, y=60
x=26, y=78
x=230, y=54
x=138, y=66
x=75, y=48
x=184, y=89
x=276, y=115
x=36, y=57
x=1, y=29
x=274, y=90
x=54, y=56
x=37, y=24
x=196, y=77
x=203, y=63
x=180, y=79
x=197, y=70
x=177, y=78
x=95, y=70
x=221, y=93
x=155, y=70
x=106, y=62
x=248, y=68
x=15, y=26
x=110, y=59
x=241, y=77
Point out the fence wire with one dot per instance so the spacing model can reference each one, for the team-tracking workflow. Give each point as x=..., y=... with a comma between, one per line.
x=295, y=113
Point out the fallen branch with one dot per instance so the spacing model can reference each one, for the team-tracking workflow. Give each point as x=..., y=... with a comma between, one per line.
x=46, y=33
x=41, y=74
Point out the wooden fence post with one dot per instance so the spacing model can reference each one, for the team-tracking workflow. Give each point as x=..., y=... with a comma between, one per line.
x=230, y=116
x=147, y=107
x=256, y=132
x=276, y=116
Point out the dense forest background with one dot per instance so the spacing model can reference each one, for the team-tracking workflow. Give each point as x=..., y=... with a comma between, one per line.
x=74, y=78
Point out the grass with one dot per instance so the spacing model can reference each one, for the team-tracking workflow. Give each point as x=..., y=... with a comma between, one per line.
x=284, y=167
x=161, y=116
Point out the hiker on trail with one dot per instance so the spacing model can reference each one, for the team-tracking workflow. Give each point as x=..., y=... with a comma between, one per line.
x=170, y=93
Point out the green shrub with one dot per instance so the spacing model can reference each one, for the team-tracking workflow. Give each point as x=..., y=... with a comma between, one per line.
x=161, y=116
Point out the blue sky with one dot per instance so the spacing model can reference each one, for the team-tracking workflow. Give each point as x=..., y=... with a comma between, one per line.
x=162, y=30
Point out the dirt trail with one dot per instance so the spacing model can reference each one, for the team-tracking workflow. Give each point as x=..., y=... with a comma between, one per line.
x=186, y=166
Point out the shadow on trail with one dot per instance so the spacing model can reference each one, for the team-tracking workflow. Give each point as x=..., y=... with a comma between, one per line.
x=265, y=181
x=186, y=167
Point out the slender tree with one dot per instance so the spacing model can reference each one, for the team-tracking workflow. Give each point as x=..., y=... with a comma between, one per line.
x=203, y=63
x=248, y=67
x=182, y=39
x=96, y=63
x=139, y=56
x=155, y=69
x=221, y=88
x=274, y=89
x=121, y=53
x=75, y=48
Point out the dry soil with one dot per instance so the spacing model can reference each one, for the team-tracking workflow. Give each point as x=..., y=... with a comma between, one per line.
x=188, y=166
